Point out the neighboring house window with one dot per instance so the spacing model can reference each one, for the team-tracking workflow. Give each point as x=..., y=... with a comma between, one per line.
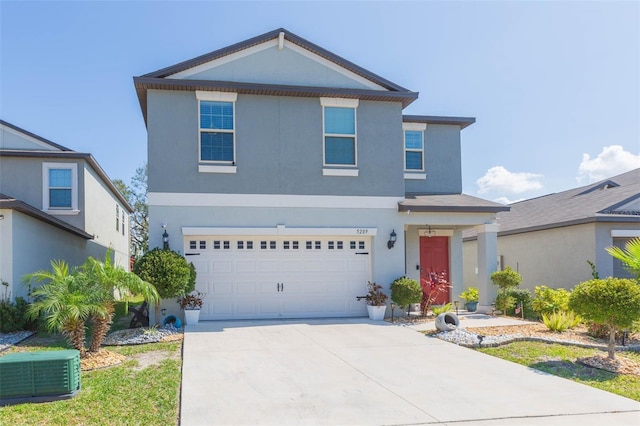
x=117, y=218
x=414, y=146
x=339, y=131
x=60, y=188
x=217, y=126
x=123, y=222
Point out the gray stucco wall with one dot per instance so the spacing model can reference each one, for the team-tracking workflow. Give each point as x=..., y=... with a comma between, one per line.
x=36, y=243
x=278, y=148
x=22, y=178
x=278, y=67
x=442, y=160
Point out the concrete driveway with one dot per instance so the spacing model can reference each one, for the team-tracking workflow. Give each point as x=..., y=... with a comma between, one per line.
x=360, y=372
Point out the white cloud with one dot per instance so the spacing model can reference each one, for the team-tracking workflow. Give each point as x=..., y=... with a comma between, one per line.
x=499, y=179
x=505, y=200
x=613, y=160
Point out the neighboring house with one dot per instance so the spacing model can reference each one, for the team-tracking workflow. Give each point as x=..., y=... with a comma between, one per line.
x=55, y=203
x=284, y=173
x=549, y=239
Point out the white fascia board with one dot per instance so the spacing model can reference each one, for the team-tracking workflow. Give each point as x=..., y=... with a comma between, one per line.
x=276, y=231
x=414, y=126
x=225, y=59
x=173, y=199
x=625, y=233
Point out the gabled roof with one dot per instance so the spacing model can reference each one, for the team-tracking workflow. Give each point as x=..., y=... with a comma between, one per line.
x=611, y=200
x=452, y=203
x=34, y=136
x=161, y=79
x=293, y=38
x=62, y=153
x=7, y=202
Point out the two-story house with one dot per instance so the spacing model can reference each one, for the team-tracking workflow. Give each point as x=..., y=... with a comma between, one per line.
x=55, y=203
x=290, y=177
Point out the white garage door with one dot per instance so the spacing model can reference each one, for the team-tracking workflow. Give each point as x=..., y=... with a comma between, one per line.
x=280, y=277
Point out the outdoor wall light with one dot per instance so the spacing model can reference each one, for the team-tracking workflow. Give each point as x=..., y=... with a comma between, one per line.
x=393, y=237
x=165, y=238
x=164, y=311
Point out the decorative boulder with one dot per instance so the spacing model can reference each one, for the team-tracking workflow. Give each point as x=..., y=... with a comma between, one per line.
x=447, y=321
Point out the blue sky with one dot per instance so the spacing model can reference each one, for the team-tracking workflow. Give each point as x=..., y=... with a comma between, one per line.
x=554, y=86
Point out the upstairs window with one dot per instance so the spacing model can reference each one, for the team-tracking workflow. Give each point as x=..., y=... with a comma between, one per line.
x=414, y=147
x=339, y=127
x=117, y=218
x=217, y=126
x=60, y=187
x=413, y=150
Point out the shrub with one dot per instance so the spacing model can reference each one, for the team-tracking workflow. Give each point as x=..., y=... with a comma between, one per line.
x=505, y=302
x=12, y=315
x=613, y=302
x=506, y=278
x=405, y=291
x=437, y=310
x=168, y=271
x=472, y=294
x=548, y=300
x=561, y=320
x=522, y=298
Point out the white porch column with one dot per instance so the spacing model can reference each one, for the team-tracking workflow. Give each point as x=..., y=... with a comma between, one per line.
x=487, y=264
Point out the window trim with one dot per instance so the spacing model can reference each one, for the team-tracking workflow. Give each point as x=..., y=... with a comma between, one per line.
x=73, y=210
x=231, y=97
x=340, y=103
x=413, y=127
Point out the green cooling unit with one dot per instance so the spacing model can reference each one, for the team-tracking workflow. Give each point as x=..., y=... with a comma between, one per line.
x=39, y=376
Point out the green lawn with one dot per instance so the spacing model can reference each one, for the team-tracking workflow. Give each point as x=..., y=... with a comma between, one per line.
x=118, y=395
x=124, y=394
x=560, y=360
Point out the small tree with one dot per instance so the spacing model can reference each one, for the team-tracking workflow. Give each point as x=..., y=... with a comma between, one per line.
x=168, y=271
x=612, y=302
x=505, y=280
x=111, y=278
x=66, y=301
x=405, y=291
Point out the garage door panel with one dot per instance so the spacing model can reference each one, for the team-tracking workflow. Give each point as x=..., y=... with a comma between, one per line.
x=267, y=266
x=358, y=266
x=222, y=266
x=245, y=266
x=222, y=288
x=336, y=265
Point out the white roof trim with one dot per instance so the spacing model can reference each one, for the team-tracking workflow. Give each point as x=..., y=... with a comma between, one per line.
x=625, y=233
x=278, y=230
x=275, y=43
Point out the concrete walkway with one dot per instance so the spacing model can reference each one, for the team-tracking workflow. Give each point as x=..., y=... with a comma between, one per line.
x=360, y=372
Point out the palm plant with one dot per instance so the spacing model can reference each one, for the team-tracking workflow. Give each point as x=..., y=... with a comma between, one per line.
x=630, y=256
x=114, y=281
x=65, y=301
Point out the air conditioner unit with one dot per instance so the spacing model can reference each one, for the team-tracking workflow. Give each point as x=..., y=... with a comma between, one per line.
x=39, y=376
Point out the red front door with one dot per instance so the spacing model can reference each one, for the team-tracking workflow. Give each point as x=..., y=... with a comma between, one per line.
x=434, y=258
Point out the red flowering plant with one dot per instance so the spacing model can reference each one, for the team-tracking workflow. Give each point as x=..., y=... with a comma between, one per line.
x=191, y=301
x=432, y=287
